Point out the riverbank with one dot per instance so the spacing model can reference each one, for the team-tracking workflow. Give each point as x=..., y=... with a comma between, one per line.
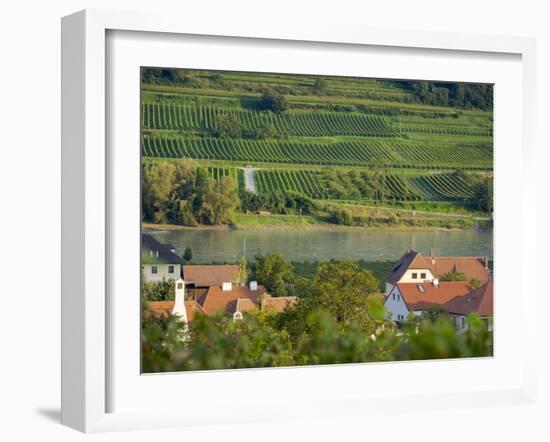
x=308, y=222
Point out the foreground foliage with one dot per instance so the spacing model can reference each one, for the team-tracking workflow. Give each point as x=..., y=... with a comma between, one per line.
x=340, y=318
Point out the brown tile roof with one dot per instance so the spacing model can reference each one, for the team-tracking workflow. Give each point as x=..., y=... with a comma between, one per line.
x=478, y=301
x=164, y=309
x=192, y=308
x=279, y=304
x=216, y=300
x=472, y=267
x=160, y=308
x=209, y=275
x=245, y=305
x=432, y=296
x=401, y=267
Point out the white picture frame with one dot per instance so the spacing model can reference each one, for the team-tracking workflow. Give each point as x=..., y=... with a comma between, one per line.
x=87, y=207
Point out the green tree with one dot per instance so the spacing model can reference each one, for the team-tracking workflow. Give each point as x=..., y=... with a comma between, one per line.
x=349, y=295
x=265, y=131
x=227, y=126
x=319, y=85
x=483, y=194
x=158, y=290
x=475, y=283
x=341, y=216
x=187, y=254
x=157, y=194
x=273, y=101
x=219, y=201
x=453, y=275
x=273, y=272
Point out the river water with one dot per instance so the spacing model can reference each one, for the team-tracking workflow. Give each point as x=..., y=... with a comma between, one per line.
x=322, y=245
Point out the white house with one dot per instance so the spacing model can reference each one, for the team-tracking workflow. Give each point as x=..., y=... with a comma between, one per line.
x=406, y=298
x=159, y=261
x=478, y=301
x=418, y=269
x=454, y=297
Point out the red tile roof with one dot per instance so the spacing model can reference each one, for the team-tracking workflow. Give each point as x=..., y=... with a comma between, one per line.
x=478, y=301
x=279, y=304
x=472, y=267
x=216, y=300
x=210, y=275
x=245, y=305
x=164, y=309
x=432, y=296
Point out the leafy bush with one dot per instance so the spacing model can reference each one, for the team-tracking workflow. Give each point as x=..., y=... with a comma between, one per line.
x=273, y=101
x=341, y=216
x=265, y=131
x=158, y=290
x=227, y=126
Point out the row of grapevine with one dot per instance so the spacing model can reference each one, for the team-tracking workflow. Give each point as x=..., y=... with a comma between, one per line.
x=305, y=182
x=312, y=184
x=398, y=188
x=156, y=116
x=438, y=129
x=349, y=153
x=444, y=186
x=217, y=172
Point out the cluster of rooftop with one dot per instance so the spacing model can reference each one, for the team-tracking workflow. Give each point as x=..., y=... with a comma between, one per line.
x=417, y=284
x=203, y=289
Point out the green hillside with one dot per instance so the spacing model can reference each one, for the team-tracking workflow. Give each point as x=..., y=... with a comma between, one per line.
x=333, y=138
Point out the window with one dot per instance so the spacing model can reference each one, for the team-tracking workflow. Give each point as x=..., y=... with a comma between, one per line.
x=421, y=288
x=154, y=269
x=422, y=276
x=170, y=269
x=393, y=296
x=414, y=275
x=179, y=285
x=399, y=297
x=463, y=321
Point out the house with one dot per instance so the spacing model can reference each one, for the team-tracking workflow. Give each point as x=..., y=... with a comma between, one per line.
x=234, y=300
x=205, y=276
x=237, y=300
x=418, y=269
x=457, y=298
x=159, y=261
x=185, y=311
x=406, y=298
x=199, y=278
x=478, y=301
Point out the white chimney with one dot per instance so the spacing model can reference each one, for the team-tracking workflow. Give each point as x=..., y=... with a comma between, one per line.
x=226, y=287
x=179, y=305
x=253, y=285
x=436, y=282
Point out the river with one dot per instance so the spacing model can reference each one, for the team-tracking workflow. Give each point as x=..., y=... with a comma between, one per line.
x=322, y=245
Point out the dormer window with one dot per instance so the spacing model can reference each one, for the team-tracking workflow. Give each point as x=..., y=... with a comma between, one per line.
x=414, y=276
x=422, y=276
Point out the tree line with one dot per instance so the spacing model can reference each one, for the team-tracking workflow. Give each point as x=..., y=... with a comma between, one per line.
x=178, y=192
x=461, y=95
